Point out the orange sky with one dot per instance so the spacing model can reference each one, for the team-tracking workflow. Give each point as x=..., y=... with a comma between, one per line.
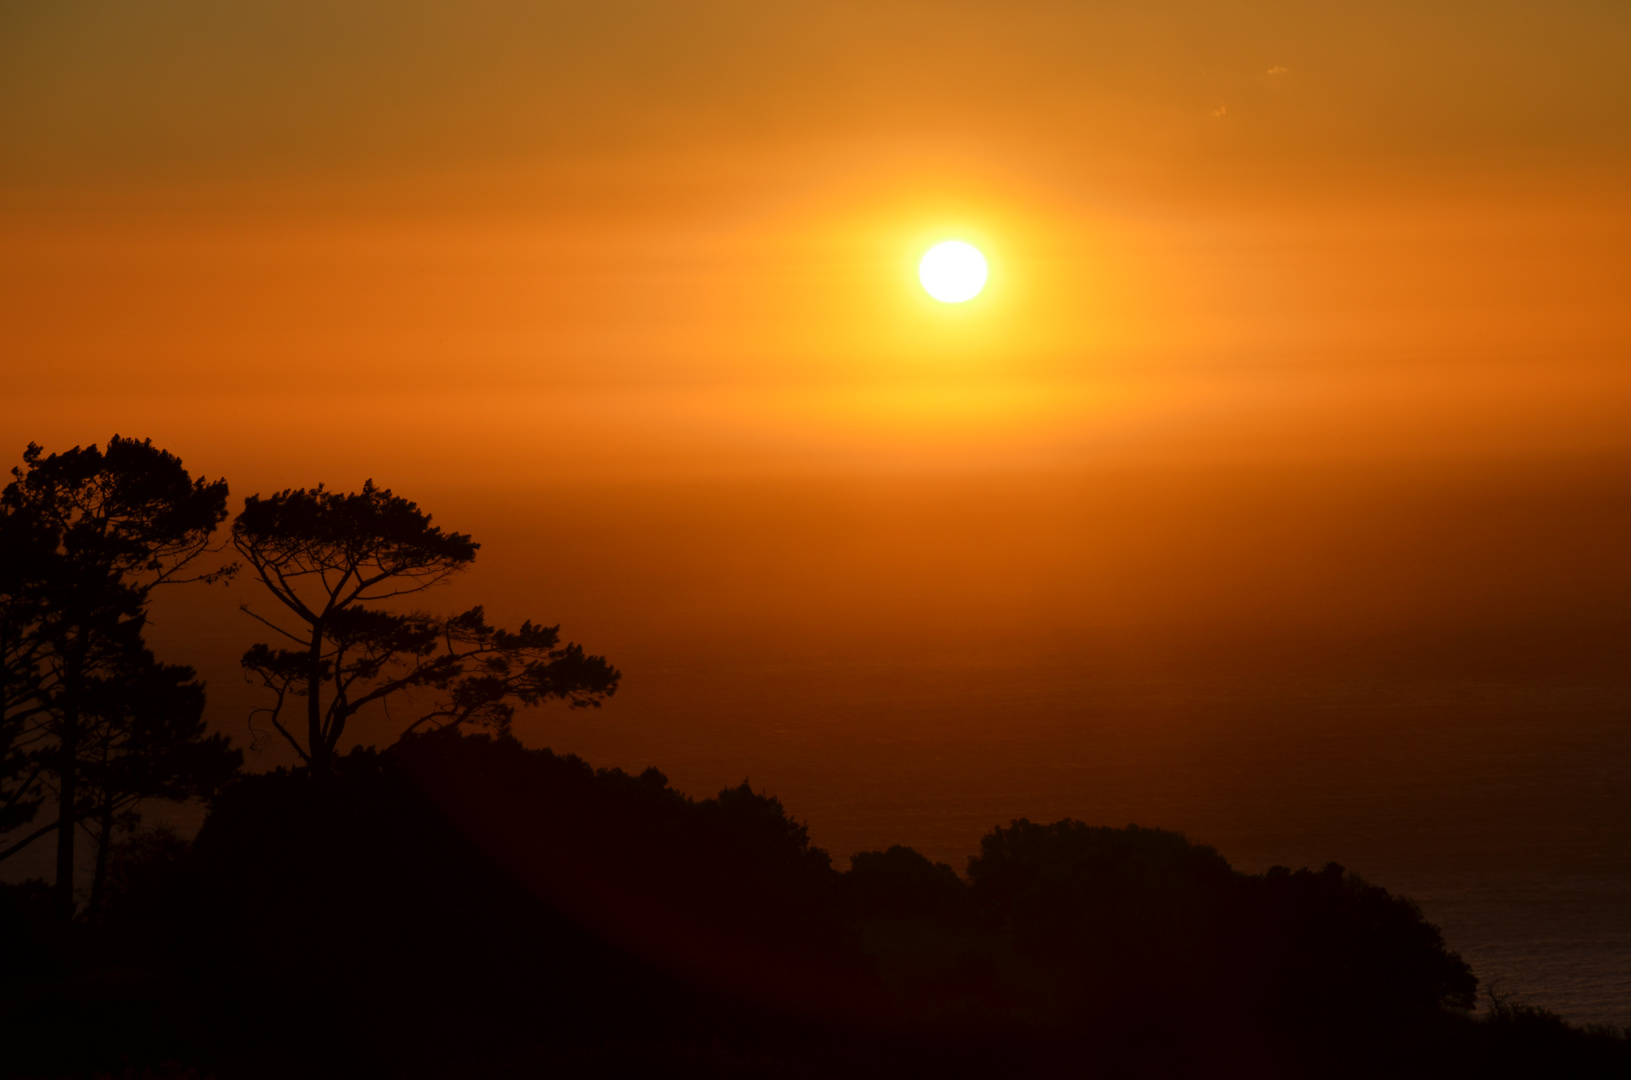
x=681, y=238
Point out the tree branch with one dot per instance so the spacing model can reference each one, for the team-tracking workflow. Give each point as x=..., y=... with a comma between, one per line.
x=269, y=623
x=29, y=839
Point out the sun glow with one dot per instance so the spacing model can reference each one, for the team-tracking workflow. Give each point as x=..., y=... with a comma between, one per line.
x=952, y=272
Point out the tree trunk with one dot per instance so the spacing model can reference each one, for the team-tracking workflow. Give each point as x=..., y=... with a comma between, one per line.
x=315, y=743
x=68, y=774
x=99, y=879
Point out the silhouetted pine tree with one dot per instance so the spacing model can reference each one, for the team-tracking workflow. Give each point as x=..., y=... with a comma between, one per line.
x=330, y=561
x=112, y=526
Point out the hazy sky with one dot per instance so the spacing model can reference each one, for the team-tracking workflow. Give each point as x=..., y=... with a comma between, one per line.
x=682, y=236
x=99, y=92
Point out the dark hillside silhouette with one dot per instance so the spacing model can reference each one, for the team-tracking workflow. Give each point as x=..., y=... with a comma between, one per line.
x=727, y=890
x=362, y=924
x=329, y=561
x=464, y=906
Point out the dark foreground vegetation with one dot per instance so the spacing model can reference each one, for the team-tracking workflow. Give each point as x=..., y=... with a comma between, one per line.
x=462, y=906
x=458, y=906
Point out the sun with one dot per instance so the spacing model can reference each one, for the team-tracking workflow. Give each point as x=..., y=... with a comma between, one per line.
x=952, y=272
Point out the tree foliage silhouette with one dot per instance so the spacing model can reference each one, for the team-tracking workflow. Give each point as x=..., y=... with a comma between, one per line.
x=26, y=683
x=145, y=740
x=330, y=560
x=107, y=527
x=1143, y=915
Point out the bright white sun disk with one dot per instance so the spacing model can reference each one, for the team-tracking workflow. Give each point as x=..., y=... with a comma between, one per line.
x=952, y=272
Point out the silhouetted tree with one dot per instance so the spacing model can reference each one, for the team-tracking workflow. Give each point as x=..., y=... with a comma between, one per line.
x=329, y=559
x=116, y=524
x=26, y=684
x=144, y=739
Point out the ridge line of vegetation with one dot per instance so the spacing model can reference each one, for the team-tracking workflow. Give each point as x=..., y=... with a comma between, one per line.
x=457, y=904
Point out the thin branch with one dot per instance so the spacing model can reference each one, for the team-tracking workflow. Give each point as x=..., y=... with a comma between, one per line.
x=269, y=623
x=25, y=787
x=285, y=594
x=27, y=840
x=285, y=733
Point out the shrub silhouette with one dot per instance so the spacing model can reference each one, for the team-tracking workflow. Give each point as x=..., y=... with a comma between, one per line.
x=1330, y=945
x=1105, y=921
x=900, y=885
x=1115, y=924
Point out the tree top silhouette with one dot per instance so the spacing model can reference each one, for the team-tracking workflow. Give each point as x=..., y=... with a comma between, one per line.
x=327, y=557
x=132, y=511
x=360, y=547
